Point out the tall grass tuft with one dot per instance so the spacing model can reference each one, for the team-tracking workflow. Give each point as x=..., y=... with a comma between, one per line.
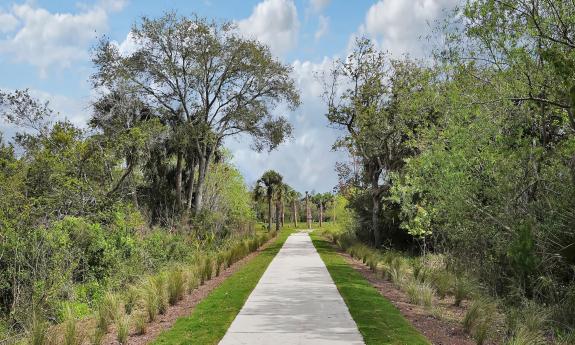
x=525, y=336
x=72, y=336
x=140, y=323
x=419, y=293
x=131, y=298
x=107, y=311
x=479, y=319
x=122, y=329
x=160, y=285
x=176, y=285
x=150, y=299
x=97, y=336
x=443, y=282
x=462, y=289
x=38, y=331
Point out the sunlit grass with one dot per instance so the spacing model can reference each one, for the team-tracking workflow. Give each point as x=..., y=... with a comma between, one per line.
x=377, y=319
x=212, y=317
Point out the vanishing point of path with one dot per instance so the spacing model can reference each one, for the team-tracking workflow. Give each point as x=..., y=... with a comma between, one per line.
x=295, y=302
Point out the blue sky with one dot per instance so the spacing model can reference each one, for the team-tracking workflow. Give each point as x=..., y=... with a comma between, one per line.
x=45, y=46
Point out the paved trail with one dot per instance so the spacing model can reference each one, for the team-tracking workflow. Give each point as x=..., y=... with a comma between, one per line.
x=295, y=302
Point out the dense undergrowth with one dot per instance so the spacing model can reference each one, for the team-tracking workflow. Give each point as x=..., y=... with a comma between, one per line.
x=427, y=278
x=144, y=286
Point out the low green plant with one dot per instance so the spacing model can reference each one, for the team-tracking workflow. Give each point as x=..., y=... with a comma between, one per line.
x=176, y=285
x=122, y=328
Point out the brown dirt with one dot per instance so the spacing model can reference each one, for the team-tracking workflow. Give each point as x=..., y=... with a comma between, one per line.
x=444, y=330
x=182, y=308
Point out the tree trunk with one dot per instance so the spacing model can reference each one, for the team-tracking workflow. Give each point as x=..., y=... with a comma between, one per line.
x=283, y=213
x=294, y=214
x=269, y=213
x=375, y=220
x=135, y=193
x=320, y=215
x=334, y=204
x=191, y=173
x=179, y=170
x=204, y=162
x=278, y=216
x=308, y=211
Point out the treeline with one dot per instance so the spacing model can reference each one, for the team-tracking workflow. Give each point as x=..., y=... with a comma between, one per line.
x=86, y=212
x=276, y=200
x=471, y=153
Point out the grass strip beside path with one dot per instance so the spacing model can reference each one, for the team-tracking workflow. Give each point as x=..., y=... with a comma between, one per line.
x=377, y=318
x=213, y=316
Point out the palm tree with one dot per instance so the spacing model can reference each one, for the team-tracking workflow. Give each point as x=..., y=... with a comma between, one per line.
x=321, y=200
x=269, y=181
x=292, y=197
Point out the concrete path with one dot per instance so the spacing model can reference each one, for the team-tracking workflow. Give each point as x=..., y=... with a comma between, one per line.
x=295, y=302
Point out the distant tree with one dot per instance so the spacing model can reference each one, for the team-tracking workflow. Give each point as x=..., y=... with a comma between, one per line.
x=270, y=181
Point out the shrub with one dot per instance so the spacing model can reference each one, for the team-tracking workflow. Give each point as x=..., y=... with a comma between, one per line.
x=176, y=285
x=123, y=329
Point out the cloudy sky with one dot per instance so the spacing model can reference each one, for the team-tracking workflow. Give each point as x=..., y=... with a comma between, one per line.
x=45, y=46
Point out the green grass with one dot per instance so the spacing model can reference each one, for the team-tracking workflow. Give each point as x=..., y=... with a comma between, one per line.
x=377, y=319
x=212, y=317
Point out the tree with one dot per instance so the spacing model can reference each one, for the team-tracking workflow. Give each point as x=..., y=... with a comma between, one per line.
x=292, y=197
x=361, y=93
x=206, y=82
x=321, y=201
x=270, y=182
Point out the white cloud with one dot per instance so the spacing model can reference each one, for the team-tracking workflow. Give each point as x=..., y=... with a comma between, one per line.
x=323, y=27
x=45, y=39
x=7, y=22
x=274, y=22
x=400, y=26
x=306, y=162
x=319, y=5
x=128, y=45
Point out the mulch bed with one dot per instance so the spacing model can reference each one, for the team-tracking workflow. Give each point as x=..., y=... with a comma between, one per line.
x=446, y=330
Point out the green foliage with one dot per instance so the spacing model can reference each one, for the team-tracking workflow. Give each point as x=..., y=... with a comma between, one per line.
x=123, y=328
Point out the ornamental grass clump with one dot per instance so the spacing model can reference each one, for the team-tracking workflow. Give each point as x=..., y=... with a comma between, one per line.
x=122, y=328
x=176, y=285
